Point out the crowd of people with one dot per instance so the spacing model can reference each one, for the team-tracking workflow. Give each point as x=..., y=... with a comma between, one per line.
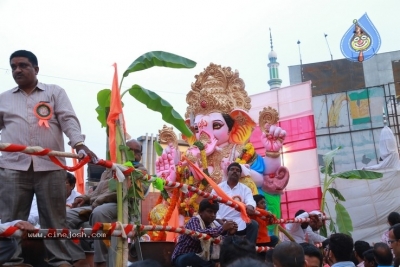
x=238, y=247
x=338, y=250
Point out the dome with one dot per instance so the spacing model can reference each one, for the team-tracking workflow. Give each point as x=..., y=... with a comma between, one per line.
x=272, y=54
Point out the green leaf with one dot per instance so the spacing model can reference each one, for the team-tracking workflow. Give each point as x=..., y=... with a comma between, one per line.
x=358, y=174
x=137, y=174
x=343, y=219
x=103, y=99
x=160, y=59
x=159, y=149
x=199, y=144
x=154, y=102
x=332, y=228
x=102, y=116
x=322, y=170
x=328, y=159
x=322, y=231
x=336, y=193
x=129, y=154
x=112, y=185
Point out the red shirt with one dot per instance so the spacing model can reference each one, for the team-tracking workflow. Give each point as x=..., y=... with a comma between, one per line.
x=262, y=236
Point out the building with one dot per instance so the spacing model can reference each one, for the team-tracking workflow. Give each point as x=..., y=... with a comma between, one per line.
x=350, y=100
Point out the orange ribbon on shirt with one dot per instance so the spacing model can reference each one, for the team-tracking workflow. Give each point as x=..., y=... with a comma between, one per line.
x=43, y=112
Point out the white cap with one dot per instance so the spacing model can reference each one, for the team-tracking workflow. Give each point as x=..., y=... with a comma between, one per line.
x=316, y=212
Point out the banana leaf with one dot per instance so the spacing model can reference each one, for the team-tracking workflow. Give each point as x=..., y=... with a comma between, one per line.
x=358, y=174
x=103, y=99
x=159, y=59
x=336, y=193
x=343, y=219
x=154, y=102
x=322, y=231
x=158, y=148
x=332, y=226
x=328, y=160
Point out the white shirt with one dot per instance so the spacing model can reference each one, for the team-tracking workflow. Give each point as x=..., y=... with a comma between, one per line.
x=314, y=237
x=240, y=193
x=72, y=197
x=34, y=213
x=299, y=234
x=295, y=230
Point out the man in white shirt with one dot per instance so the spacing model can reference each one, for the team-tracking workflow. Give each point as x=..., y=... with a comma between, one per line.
x=239, y=192
x=71, y=194
x=302, y=232
x=8, y=246
x=315, y=224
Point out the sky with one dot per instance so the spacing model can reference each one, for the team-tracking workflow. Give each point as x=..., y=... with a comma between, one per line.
x=77, y=42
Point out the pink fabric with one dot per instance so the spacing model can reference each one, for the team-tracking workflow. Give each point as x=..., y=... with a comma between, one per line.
x=300, y=134
x=305, y=199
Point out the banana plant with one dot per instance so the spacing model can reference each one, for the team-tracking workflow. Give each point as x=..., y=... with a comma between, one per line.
x=152, y=100
x=343, y=222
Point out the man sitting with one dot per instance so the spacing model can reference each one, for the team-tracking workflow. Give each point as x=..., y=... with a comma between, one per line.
x=190, y=251
x=71, y=194
x=99, y=206
x=242, y=193
x=302, y=232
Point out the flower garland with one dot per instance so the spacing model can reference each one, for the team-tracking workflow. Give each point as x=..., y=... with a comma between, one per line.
x=248, y=153
x=161, y=236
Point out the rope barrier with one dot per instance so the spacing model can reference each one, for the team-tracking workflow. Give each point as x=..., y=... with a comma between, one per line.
x=99, y=230
x=261, y=213
x=120, y=170
x=106, y=230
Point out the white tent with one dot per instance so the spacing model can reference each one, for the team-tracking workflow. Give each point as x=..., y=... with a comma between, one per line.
x=369, y=202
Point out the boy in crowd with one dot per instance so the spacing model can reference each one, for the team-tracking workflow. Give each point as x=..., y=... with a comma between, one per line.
x=190, y=251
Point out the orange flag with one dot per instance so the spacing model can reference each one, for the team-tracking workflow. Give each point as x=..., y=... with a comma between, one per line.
x=218, y=190
x=115, y=114
x=80, y=182
x=174, y=222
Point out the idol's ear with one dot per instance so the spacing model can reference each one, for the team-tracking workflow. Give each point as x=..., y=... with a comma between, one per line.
x=191, y=139
x=242, y=128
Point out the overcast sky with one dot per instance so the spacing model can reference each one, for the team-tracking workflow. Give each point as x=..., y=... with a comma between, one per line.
x=76, y=43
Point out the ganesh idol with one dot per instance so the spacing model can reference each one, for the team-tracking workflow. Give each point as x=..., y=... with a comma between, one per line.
x=218, y=114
